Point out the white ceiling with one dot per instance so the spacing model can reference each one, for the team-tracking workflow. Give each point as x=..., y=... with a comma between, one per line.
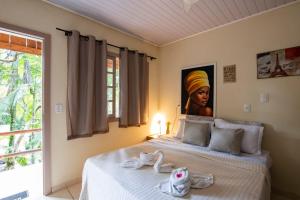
x=165, y=21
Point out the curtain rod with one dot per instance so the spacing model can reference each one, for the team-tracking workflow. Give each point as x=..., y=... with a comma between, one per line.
x=68, y=33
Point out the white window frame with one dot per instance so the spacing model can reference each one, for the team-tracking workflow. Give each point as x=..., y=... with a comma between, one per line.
x=113, y=57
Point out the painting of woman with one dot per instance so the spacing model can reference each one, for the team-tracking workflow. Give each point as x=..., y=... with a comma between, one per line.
x=197, y=91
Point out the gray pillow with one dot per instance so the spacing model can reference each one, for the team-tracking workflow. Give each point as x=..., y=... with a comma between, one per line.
x=252, y=136
x=226, y=140
x=196, y=133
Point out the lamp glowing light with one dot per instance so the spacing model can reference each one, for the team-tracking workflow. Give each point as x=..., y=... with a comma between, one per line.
x=158, y=124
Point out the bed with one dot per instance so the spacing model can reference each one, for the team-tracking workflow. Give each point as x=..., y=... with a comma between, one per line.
x=235, y=177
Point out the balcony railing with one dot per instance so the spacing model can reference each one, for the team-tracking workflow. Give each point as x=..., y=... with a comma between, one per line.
x=21, y=132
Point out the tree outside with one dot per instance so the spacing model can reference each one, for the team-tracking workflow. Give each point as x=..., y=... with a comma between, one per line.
x=20, y=106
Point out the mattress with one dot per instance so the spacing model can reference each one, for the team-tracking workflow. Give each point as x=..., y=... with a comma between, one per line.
x=235, y=177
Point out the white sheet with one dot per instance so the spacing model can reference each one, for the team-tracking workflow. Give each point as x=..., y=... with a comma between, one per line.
x=264, y=158
x=243, y=177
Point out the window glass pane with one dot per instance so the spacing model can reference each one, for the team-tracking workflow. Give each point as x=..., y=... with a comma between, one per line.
x=117, y=100
x=110, y=65
x=113, y=86
x=109, y=108
x=117, y=68
x=117, y=62
x=109, y=94
x=110, y=79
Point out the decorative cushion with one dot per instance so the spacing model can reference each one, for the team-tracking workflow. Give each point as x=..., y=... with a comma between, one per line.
x=226, y=140
x=252, y=137
x=196, y=133
x=180, y=131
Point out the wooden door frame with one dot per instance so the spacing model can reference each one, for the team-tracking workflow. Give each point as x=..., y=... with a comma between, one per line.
x=46, y=125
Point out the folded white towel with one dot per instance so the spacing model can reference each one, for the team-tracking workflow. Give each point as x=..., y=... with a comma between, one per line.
x=159, y=167
x=181, y=181
x=201, y=180
x=136, y=163
x=150, y=159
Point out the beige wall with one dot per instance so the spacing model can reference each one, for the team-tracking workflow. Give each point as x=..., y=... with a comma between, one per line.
x=68, y=156
x=238, y=44
x=234, y=44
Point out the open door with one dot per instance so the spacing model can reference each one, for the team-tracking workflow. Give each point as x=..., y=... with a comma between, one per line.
x=24, y=113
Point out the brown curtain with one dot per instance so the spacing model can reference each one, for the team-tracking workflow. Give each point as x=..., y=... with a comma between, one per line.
x=134, y=88
x=144, y=89
x=86, y=86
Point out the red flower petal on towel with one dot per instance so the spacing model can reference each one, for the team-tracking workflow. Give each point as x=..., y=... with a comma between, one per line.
x=178, y=175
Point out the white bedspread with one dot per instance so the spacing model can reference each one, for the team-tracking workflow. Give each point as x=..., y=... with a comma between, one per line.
x=236, y=177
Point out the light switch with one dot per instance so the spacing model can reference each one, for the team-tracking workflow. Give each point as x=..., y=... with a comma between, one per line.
x=264, y=98
x=247, y=107
x=59, y=108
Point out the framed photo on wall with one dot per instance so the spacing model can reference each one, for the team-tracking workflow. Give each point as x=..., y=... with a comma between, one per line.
x=282, y=62
x=198, y=90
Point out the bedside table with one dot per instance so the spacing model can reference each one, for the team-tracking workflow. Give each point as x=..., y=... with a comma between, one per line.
x=150, y=137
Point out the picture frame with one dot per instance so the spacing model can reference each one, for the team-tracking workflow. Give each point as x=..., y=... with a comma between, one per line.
x=278, y=63
x=197, y=82
x=229, y=74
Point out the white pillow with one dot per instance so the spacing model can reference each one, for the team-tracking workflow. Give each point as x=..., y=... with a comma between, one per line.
x=252, y=137
x=180, y=130
x=196, y=133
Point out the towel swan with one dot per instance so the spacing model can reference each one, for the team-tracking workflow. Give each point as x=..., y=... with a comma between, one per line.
x=143, y=160
x=155, y=159
x=181, y=181
x=159, y=167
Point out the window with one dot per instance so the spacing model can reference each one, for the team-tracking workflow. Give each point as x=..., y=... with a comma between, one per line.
x=113, y=85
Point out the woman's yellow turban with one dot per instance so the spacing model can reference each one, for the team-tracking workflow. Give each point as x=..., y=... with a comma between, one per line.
x=195, y=80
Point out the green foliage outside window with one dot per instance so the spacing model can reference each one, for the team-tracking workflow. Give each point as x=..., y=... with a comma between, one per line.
x=20, y=105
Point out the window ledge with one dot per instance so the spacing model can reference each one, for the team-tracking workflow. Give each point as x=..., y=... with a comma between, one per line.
x=113, y=119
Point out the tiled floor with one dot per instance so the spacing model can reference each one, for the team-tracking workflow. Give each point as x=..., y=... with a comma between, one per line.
x=69, y=193
x=28, y=178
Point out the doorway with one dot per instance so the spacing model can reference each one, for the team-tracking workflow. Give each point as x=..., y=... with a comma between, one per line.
x=24, y=113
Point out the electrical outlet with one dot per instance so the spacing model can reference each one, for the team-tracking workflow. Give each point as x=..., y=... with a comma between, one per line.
x=247, y=107
x=264, y=98
x=59, y=108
